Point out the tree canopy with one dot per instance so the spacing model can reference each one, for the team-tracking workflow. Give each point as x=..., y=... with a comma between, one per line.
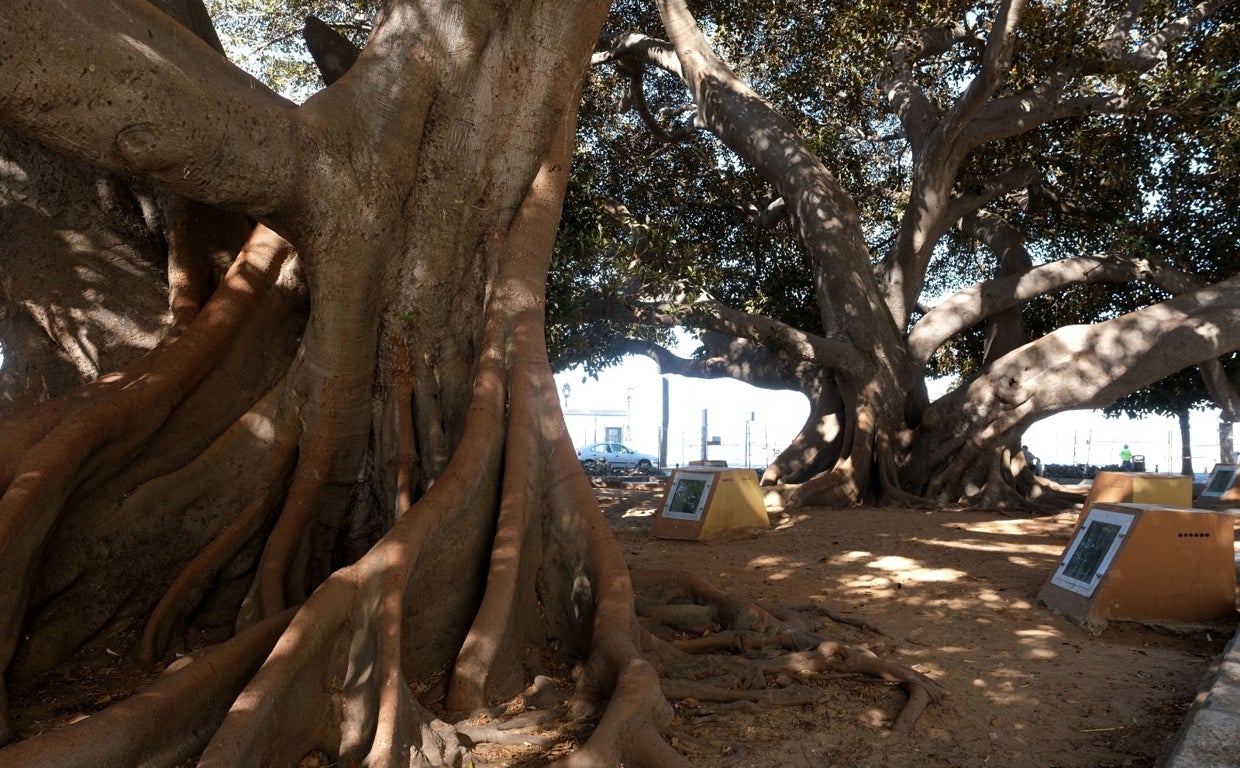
x=277, y=388
x=1028, y=169
x=279, y=431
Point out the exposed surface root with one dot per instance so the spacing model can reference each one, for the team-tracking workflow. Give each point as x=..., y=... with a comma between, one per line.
x=189, y=699
x=98, y=428
x=769, y=650
x=187, y=591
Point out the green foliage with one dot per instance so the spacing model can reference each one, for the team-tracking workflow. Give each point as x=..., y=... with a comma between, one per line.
x=1161, y=181
x=264, y=37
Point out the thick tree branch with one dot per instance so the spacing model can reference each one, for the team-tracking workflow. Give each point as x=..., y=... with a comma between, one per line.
x=1005, y=331
x=333, y=53
x=122, y=95
x=1117, y=41
x=826, y=217
x=990, y=190
x=998, y=54
x=637, y=99
x=739, y=359
x=916, y=112
x=971, y=305
x=1020, y=114
x=715, y=316
x=1146, y=56
x=938, y=152
x=1081, y=367
x=632, y=45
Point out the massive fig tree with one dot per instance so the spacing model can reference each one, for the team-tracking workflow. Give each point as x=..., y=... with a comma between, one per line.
x=994, y=161
x=279, y=430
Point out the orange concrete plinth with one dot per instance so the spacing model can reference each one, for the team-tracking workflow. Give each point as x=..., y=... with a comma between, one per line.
x=1139, y=488
x=1144, y=561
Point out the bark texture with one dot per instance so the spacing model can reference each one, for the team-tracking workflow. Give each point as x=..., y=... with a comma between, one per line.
x=326, y=457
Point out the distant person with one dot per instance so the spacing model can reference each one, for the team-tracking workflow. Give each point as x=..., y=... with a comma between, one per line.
x=1125, y=459
x=1035, y=464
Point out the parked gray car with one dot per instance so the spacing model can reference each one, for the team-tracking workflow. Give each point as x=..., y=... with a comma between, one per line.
x=597, y=456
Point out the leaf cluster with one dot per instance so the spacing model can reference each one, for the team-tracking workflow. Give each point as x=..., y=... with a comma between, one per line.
x=264, y=37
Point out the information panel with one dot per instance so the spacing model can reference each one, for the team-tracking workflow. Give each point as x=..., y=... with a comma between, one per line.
x=687, y=498
x=1091, y=552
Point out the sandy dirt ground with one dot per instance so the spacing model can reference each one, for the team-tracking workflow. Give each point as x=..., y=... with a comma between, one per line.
x=951, y=593
x=954, y=595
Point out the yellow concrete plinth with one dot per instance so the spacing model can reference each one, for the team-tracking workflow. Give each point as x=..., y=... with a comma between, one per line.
x=701, y=501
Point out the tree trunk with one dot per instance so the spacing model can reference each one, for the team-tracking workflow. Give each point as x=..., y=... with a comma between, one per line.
x=408, y=432
x=337, y=474
x=1226, y=437
x=1186, y=444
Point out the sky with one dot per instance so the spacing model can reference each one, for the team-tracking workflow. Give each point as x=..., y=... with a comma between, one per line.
x=633, y=392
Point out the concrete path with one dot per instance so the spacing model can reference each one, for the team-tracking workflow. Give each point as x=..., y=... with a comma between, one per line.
x=1211, y=734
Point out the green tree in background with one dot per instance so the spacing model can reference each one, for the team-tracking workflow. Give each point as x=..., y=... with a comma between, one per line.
x=283, y=475
x=1032, y=198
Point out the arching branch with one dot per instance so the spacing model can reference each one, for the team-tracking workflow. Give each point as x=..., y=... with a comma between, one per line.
x=718, y=317
x=971, y=305
x=995, y=59
x=82, y=102
x=991, y=189
x=1147, y=54
x=1080, y=367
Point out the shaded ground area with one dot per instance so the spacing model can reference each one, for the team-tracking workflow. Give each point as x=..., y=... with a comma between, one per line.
x=953, y=594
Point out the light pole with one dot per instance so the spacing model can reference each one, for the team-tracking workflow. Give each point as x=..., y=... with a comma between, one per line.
x=628, y=415
x=747, y=423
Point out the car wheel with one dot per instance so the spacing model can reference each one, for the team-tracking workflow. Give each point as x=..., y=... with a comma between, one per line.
x=588, y=465
x=643, y=466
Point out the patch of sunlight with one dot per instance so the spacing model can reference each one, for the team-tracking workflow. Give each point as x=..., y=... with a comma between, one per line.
x=1037, y=642
x=1019, y=527
x=954, y=603
x=779, y=575
x=13, y=172
x=790, y=521
x=954, y=649
x=914, y=571
x=260, y=425
x=639, y=512
x=868, y=581
x=993, y=599
x=875, y=718
x=786, y=568
x=1025, y=562
x=850, y=557
x=1010, y=687
x=132, y=335
x=766, y=561
x=932, y=671
x=998, y=546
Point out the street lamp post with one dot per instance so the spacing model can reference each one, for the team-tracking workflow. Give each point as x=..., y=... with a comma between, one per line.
x=628, y=416
x=747, y=423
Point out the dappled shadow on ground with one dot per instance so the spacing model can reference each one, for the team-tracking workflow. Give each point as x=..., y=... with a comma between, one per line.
x=953, y=594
